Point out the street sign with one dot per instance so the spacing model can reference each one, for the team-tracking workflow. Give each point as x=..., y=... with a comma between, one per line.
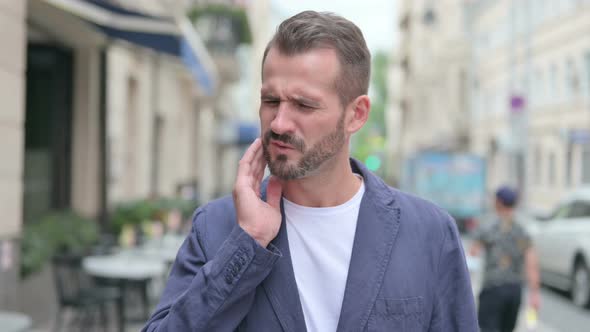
x=517, y=103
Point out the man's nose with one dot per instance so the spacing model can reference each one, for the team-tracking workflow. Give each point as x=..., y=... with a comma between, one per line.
x=283, y=122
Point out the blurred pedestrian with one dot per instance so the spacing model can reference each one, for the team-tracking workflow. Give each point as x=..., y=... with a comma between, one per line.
x=323, y=244
x=508, y=251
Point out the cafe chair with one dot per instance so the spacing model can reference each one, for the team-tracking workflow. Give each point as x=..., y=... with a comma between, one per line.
x=77, y=292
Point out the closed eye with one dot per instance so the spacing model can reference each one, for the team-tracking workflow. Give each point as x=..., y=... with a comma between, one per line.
x=271, y=102
x=305, y=107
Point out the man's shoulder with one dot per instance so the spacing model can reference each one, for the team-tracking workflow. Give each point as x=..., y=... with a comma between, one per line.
x=410, y=206
x=419, y=209
x=423, y=223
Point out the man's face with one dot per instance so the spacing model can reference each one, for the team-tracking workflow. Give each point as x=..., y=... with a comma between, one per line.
x=301, y=116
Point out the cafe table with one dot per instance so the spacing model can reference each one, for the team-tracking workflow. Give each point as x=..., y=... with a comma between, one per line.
x=14, y=322
x=125, y=270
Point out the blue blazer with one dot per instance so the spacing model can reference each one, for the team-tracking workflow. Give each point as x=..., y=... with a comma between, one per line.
x=407, y=272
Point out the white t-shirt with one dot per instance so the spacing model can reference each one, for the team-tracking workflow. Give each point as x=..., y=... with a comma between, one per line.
x=320, y=242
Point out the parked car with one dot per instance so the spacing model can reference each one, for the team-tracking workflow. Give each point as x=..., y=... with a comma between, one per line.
x=562, y=241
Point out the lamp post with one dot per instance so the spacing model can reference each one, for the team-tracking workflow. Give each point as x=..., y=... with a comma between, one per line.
x=519, y=99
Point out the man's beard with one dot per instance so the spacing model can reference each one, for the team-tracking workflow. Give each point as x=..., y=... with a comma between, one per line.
x=311, y=158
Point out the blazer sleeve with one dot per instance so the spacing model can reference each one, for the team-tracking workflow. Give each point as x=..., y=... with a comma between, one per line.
x=212, y=293
x=454, y=308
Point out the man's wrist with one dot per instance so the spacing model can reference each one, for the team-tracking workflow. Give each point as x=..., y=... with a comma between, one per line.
x=262, y=242
x=259, y=237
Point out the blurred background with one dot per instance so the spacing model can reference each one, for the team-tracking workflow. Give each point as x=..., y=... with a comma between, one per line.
x=121, y=117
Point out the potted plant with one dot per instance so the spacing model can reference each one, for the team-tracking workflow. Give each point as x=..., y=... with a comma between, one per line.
x=56, y=233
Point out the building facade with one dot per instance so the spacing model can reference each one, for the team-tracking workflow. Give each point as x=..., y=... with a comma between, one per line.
x=530, y=93
x=92, y=118
x=12, y=116
x=430, y=91
x=507, y=80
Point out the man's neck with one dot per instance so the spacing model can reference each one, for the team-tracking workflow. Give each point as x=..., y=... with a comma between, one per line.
x=332, y=185
x=506, y=221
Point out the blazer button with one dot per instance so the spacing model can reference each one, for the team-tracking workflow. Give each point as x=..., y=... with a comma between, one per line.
x=242, y=260
x=228, y=279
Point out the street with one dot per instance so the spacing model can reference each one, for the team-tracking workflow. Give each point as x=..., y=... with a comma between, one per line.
x=557, y=312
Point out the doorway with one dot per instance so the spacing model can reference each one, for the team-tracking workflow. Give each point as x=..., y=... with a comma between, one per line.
x=48, y=130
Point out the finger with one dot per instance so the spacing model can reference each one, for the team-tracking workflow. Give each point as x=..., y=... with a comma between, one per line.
x=258, y=179
x=273, y=192
x=246, y=161
x=256, y=168
x=258, y=171
x=259, y=174
x=259, y=162
x=251, y=151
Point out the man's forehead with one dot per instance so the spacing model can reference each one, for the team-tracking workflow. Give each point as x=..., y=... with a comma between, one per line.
x=294, y=93
x=324, y=55
x=316, y=67
x=293, y=90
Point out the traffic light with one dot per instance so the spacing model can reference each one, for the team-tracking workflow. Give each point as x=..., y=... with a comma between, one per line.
x=373, y=162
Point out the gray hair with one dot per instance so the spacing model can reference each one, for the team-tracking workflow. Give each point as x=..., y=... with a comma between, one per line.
x=312, y=30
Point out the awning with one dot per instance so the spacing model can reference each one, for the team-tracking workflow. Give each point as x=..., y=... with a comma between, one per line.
x=247, y=133
x=237, y=133
x=172, y=36
x=578, y=136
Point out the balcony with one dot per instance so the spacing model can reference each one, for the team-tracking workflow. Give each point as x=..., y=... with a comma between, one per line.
x=223, y=28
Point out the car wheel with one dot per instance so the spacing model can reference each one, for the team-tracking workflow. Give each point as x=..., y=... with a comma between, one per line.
x=581, y=285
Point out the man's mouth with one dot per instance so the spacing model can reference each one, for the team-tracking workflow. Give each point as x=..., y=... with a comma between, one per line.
x=281, y=145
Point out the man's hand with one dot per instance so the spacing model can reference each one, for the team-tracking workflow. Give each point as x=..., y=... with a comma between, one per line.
x=535, y=298
x=262, y=220
x=475, y=248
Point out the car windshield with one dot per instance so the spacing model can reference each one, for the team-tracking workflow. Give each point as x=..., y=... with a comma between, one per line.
x=573, y=209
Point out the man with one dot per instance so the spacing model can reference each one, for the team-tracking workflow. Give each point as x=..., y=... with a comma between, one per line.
x=323, y=245
x=507, y=250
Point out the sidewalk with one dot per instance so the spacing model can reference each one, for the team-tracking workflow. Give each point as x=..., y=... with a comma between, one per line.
x=521, y=327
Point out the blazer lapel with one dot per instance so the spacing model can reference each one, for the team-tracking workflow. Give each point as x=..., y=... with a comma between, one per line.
x=377, y=227
x=281, y=288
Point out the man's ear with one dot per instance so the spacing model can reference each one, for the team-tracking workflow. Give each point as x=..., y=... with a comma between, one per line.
x=358, y=113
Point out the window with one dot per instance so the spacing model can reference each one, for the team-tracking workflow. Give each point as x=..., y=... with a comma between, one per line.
x=498, y=102
x=586, y=164
x=487, y=103
x=540, y=11
x=567, y=6
x=579, y=209
x=551, y=169
x=551, y=9
x=571, y=81
x=537, y=88
x=561, y=212
x=476, y=102
x=568, y=166
x=554, y=86
x=522, y=84
x=571, y=210
x=519, y=17
x=544, y=9
x=588, y=75
x=537, y=165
